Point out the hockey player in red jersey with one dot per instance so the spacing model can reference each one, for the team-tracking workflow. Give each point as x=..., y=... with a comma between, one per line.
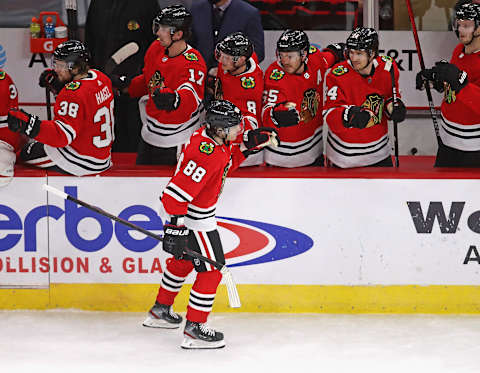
x=188, y=204
x=460, y=81
x=9, y=141
x=240, y=81
x=78, y=140
x=172, y=84
x=358, y=103
x=293, y=99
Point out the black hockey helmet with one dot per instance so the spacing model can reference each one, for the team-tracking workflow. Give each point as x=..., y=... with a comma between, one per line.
x=236, y=45
x=74, y=53
x=363, y=38
x=468, y=11
x=175, y=16
x=223, y=114
x=293, y=40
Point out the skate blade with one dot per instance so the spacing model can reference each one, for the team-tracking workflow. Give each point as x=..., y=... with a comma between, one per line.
x=193, y=344
x=150, y=322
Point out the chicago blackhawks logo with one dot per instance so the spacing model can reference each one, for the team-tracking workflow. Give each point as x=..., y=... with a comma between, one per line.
x=339, y=70
x=277, y=74
x=2, y=75
x=312, y=49
x=206, y=147
x=73, y=86
x=133, y=25
x=374, y=103
x=309, y=106
x=247, y=82
x=224, y=176
x=386, y=58
x=156, y=81
x=191, y=56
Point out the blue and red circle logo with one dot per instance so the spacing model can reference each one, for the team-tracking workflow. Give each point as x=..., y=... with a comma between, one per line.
x=255, y=242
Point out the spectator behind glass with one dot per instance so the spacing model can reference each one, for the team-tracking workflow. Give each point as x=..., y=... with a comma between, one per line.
x=110, y=25
x=215, y=19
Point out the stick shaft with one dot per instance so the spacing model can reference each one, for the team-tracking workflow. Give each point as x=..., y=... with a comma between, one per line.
x=131, y=225
x=422, y=66
x=395, y=124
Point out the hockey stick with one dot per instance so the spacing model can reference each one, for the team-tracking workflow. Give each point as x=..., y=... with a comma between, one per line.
x=47, y=98
x=119, y=56
x=395, y=124
x=422, y=66
x=233, y=297
x=72, y=21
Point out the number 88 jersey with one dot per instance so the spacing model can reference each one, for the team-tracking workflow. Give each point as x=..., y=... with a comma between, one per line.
x=79, y=138
x=198, y=181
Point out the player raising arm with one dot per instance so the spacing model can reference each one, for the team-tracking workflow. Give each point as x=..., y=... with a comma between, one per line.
x=188, y=204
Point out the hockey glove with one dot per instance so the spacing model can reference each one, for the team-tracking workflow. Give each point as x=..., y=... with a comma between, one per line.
x=175, y=239
x=165, y=99
x=337, y=49
x=399, y=111
x=356, y=116
x=444, y=72
x=255, y=140
x=120, y=82
x=49, y=79
x=21, y=121
x=284, y=115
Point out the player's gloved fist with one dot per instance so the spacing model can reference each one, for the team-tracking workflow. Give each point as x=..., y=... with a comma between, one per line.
x=356, y=116
x=337, y=49
x=285, y=115
x=49, y=79
x=20, y=121
x=120, y=82
x=255, y=140
x=166, y=99
x=399, y=111
x=175, y=239
x=450, y=74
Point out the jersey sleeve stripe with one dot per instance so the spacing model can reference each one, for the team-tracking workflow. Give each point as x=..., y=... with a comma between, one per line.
x=68, y=130
x=190, y=88
x=178, y=193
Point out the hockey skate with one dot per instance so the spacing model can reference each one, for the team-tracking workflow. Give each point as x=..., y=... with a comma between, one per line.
x=162, y=316
x=197, y=335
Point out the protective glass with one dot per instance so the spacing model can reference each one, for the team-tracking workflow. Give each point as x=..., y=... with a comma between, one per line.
x=164, y=28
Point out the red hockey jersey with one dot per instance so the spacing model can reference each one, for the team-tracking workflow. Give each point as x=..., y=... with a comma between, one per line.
x=244, y=90
x=185, y=74
x=80, y=136
x=8, y=99
x=354, y=147
x=460, y=125
x=300, y=145
x=198, y=181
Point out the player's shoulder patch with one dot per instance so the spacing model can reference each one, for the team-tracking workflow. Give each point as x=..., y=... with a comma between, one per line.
x=277, y=74
x=312, y=49
x=247, y=82
x=73, y=86
x=206, y=147
x=3, y=74
x=386, y=58
x=191, y=56
x=340, y=70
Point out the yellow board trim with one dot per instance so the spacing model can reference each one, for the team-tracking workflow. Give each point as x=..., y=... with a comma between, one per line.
x=256, y=298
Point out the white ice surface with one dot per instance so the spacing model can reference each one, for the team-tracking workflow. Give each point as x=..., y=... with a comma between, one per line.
x=74, y=341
